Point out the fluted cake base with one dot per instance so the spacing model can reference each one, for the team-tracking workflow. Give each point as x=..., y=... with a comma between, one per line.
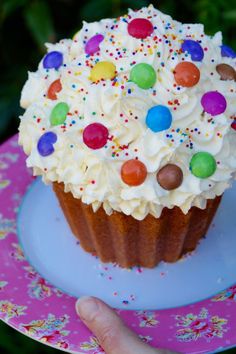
x=129, y=242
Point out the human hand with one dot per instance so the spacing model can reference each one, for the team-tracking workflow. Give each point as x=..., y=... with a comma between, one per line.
x=113, y=336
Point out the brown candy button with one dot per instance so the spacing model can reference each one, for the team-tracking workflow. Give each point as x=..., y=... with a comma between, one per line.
x=226, y=72
x=170, y=177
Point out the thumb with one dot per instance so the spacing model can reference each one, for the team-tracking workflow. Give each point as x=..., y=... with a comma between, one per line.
x=112, y=334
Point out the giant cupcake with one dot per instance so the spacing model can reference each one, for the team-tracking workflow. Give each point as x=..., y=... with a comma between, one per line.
x=132, y=122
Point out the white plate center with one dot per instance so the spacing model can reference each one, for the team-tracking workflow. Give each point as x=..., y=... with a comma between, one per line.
x=53, y=251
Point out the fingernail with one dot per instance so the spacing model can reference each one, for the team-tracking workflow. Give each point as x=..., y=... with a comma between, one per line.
x=86, y=306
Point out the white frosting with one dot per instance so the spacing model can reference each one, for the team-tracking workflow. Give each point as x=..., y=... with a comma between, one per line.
x=120, y=105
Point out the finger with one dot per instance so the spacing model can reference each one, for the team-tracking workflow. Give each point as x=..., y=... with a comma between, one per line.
x=113, y=336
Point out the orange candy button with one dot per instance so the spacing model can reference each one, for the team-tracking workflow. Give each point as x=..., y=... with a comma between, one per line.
x=53, y=89
x=133, y=172
x=186, y=74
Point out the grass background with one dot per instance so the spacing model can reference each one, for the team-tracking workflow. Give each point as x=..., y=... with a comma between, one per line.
x=25, y=25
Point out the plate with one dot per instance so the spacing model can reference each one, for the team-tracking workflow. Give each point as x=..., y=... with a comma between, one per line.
x=51, y=248
x=37, y=302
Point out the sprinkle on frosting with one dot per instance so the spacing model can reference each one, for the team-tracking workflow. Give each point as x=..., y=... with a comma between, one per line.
x=128, y=101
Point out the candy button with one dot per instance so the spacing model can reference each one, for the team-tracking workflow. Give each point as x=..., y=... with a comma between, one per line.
x=53, y=60
x=103, y=70
x=170, y=177
x=95, y=136
x=140, y=28
x=133, y=172
x=193, y=48
x=159, y=118
x=226, y=72
x=59, y=113
x=53, y=89
x=92, y=46
x=143, y=75
x=213, y=103
x=203, y=165
x=45, y=143
x=226, y=51
x=233, y=125
x=186, y=74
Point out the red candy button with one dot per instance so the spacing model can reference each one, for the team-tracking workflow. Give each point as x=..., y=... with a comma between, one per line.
x=233, y=125
x=140, y=28
x=53, y=89
x=133, y=172
x=186, y=74
x=95, y=136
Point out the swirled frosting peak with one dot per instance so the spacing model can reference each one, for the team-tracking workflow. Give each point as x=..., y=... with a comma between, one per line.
x=134, y=114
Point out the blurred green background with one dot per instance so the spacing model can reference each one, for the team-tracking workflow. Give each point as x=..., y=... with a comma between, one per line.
x=25, y=25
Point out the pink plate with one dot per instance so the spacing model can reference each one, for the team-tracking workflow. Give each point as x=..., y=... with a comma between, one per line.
x=36, y=308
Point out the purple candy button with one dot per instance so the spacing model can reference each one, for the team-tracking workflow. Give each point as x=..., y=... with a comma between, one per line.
x=193, y=48
x=213, y=103
x=92, y=46
x=53, y=60
x=45, y=143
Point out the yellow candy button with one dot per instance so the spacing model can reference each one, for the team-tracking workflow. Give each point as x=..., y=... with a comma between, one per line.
x=103, y=70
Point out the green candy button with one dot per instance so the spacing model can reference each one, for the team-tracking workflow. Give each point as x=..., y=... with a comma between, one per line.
x=143, y=75
x=59, y=113
x=203, y=165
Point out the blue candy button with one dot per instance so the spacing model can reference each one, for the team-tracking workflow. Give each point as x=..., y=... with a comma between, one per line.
x=53, y=60
x=193, y=48
x=159, y=118
x=45, y=143
x=227, y=51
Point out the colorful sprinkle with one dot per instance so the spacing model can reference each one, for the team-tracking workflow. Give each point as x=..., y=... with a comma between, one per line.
x=45, y=143
x=203, y=165
x=143, y=75
x=213, y=103
x=159, y=118
x=103, y=70
x=140, y=28
x=125, y=302
x=133, y=172
x=92, y=46
x=53, y=60
x=53, y=89
x=59, y=113
x=170, y=177
x=186, y=74
x=193, y=48
x=95, y=136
